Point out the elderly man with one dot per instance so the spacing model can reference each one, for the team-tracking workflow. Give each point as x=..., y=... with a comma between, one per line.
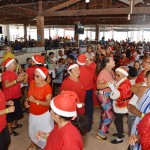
x=121, y=95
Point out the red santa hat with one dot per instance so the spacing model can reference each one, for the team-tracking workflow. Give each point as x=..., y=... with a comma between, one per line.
x=43, y=71
x=7, y=62
x=122, y=70
x=81, y=60
x=144, y=132
x=65, y=104
x=38, y=59
x=71, y=66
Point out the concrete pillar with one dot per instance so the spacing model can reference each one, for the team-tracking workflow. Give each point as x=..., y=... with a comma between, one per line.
x=25, y=32
x=97, y=32
x=6, y=32
x=40, y=30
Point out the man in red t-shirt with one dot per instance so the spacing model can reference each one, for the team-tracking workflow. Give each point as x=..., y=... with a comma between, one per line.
x=87, y=80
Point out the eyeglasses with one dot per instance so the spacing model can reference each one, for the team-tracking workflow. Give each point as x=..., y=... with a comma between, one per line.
x=36, y=76
x=117, y=75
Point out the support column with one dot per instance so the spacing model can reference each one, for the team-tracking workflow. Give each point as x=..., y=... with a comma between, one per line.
x=7, y=34
x=40, y=30
x=97, y=33
x=25, y=32
x=76, y=38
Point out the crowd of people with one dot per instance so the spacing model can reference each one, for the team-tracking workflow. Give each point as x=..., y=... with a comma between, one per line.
x=114, y=76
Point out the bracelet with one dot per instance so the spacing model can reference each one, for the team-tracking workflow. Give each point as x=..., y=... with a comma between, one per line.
x=15, y=81
x=37, y=102
x=106, y=84
x=142, y=116
x=7, y=111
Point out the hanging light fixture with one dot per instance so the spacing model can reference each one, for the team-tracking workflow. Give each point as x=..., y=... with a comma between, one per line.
x=87, y=1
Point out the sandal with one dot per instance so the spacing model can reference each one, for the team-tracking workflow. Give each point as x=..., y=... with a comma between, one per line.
x=14, y=133
x=18, y=126
x=100, y=137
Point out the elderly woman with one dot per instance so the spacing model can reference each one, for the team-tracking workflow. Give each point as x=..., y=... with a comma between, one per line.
x=12, y=91
x=39, y=96
x=4, y=132
x=36, y=60
x=66, y=133
x=72, y=83
x=106, y=75
x=7, y=53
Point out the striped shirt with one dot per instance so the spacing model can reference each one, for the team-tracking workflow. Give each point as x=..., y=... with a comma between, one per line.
x=144, y=107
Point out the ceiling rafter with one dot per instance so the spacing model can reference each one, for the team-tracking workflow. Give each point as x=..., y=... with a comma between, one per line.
x=92, y=12
x=60, y=6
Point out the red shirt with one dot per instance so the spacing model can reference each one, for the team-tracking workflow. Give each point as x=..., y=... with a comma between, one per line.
x=30, y=71
x=66, y=138
x=39, y=93
x=14, y=91
x=71, y=85
x=2, y=106
x=140, y=77
x=92, y=68
x=86, y=78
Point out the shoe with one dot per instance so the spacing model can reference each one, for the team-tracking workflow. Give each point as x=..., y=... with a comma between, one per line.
x=100, y=137
x=14, y=133
x=116, y=141
x=116, y=135
x=18, y=126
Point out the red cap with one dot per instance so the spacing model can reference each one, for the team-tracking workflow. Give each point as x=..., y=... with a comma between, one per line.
x=43, y=71
x=65, y=104
x=7, y=62
x=81, y=60
x=38, y=59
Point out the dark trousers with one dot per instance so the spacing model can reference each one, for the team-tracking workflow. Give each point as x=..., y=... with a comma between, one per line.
x=4, y=139
x=119, y=124
x=89, y=108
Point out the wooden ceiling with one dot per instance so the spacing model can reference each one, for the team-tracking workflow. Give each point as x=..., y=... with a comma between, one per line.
x=67, y=12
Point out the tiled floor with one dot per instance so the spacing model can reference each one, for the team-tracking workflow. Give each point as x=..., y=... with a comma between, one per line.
x=22, y=141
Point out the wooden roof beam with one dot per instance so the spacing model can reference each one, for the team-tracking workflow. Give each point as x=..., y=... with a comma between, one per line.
x=27, y=11
x=60, y=6
x=92, y=12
